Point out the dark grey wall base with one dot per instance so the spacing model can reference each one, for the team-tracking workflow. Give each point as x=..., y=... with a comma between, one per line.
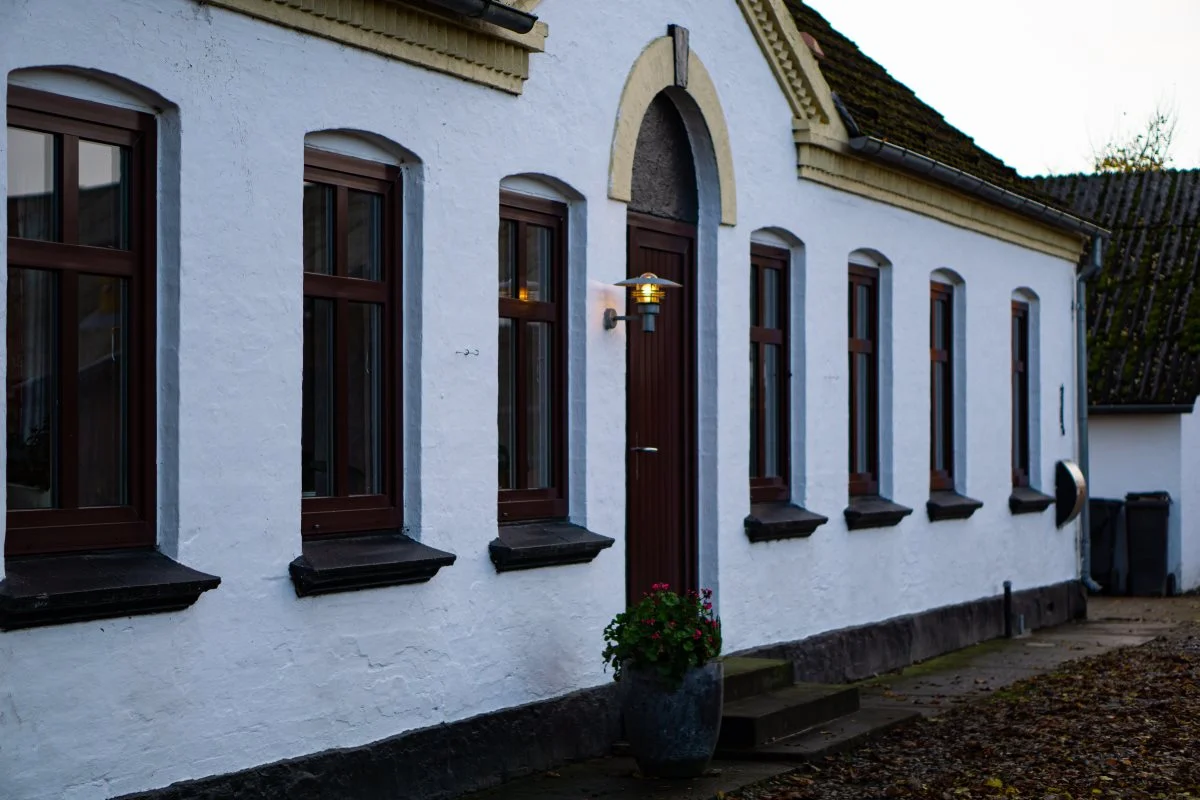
x=851, y=654
x=433, y=763
x=448, y=760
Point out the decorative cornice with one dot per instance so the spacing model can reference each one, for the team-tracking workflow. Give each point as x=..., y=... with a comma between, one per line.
x=870, y=179
x=792, y=62
x=468, y=49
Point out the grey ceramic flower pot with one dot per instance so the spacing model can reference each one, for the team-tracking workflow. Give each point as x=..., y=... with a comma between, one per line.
x=673, y=732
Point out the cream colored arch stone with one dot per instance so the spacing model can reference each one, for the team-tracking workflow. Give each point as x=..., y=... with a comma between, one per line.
x=654, y=71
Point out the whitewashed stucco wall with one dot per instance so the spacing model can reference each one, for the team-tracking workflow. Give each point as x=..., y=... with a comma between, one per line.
x=250, y=674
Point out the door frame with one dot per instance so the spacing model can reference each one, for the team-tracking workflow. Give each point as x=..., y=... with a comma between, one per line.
x=688, y=296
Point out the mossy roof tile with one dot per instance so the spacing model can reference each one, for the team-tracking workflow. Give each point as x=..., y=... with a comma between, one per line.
x=1143, y=313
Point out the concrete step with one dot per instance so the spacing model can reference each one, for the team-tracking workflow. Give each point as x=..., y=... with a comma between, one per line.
x=755, y=721
x=746, y=677
x=828, y=738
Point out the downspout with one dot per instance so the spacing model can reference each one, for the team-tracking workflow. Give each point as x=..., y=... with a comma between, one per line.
x=1081, y=385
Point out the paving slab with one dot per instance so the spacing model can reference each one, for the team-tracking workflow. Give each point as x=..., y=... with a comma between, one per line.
x=618, y=778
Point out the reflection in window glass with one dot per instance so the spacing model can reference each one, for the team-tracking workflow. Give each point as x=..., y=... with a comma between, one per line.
x=508, y=404
x=537, y=405
x=318, y=228
x=862, y=368
x=32, y=185
x=939, y=415
x=770, y=310
x=771, y=441
x=539, y=255
x=32, y=440
x=508, y=258
x=364, y=237
x=316, y=443
x=103, y=395
x=103, y=195
x=365, y=400
x=754, y=410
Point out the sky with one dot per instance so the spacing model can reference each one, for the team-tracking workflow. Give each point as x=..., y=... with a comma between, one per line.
x=1041, y=84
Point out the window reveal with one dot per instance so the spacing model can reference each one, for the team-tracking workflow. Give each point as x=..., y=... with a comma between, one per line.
x=80, y=435
x=350, y=436
x=532, y=359
x=769, y=374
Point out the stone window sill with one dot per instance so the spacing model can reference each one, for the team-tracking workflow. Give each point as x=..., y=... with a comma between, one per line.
x=550, y=543
x=1024, y=500
x=76, y=587
x=781, y=520
x=364, y=561
x=873, y=511
x=950, y=505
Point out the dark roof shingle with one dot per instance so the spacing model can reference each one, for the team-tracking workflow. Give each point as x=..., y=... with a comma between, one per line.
x=1143, y=315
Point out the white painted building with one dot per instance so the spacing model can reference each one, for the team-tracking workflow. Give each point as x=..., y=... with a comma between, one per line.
x=312, y=185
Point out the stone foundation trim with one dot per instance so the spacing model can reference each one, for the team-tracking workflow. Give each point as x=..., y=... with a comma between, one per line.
x=852, y=654
x=544, y=544
x=772, y=521
x=55, y=590
x=950, y=505
x=465, y=48
x=366, y=561
x=435, y=763
x=874, y=512
x=1024, y=500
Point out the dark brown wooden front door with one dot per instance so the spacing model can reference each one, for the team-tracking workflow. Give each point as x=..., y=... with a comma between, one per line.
x=660, y=472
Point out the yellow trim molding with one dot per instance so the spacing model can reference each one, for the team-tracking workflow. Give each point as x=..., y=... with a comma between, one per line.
x=654, y=71
x=866, y=178
x=469, y=49
x=794, y=65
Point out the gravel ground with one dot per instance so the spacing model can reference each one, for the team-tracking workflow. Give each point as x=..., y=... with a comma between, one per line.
x=1125, y=724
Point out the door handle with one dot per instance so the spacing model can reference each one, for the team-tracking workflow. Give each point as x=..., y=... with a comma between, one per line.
x=644, y=449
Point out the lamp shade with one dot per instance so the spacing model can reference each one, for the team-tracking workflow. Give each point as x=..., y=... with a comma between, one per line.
x=648, y=288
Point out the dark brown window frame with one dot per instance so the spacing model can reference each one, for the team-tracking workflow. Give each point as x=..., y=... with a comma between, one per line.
x=519, y=505
x=343, y=514
x=69, y=528
x=941, y=479
x=775, y=488
x=865, y=483
x=1020, y=390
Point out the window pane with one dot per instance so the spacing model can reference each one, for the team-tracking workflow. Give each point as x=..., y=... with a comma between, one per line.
x=508, y=258
x=539, y=261
x=32, y=388
x=939, y=325
x=32, y=185
x=364, y=239
x=316, y=440
x=939, y=415
x=754, y=421
x=755, y=318
x=318, y=228
x=507, y=417
x=364, y=403
x=862, y=378
x=103, y=195
x=770, y=310
x=771, y=443
x=538, y=409
x=862, y=311
x=103, y=397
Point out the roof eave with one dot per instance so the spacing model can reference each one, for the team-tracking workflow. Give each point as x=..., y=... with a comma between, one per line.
x=933, y=169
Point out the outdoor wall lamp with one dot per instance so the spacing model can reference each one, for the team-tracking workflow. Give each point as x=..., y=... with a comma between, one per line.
x=647, y=290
